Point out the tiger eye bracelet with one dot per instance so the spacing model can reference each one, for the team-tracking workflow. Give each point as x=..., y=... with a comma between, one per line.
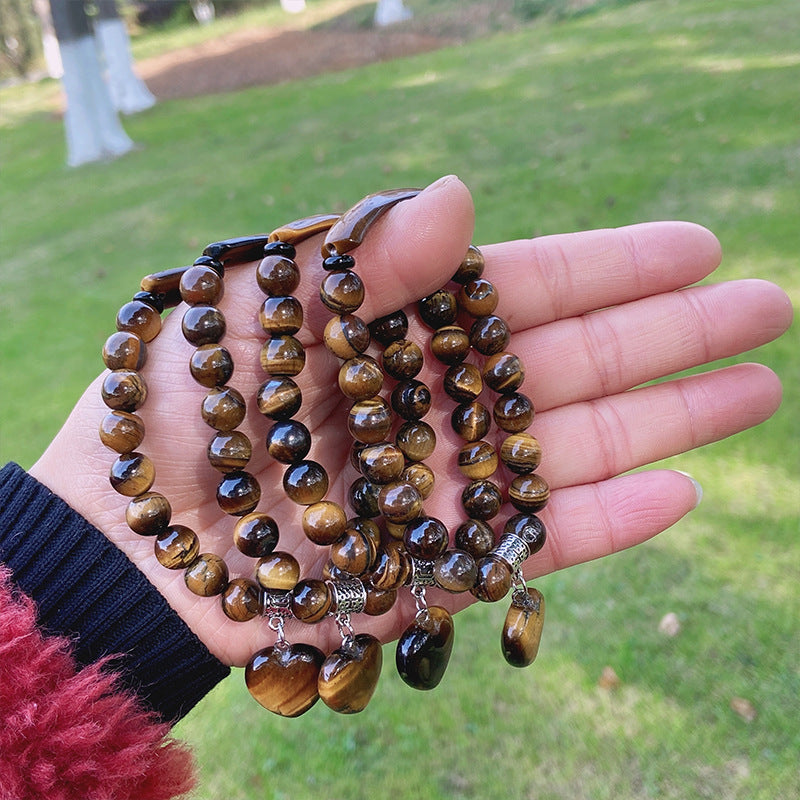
x=390, y=545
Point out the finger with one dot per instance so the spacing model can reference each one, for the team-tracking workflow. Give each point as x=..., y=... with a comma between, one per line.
x=554, y=277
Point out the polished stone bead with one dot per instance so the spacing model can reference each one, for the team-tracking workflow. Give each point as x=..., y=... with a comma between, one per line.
x=360, y=378
x=140, y=318
x=223, y=408
x=124, y=350
x=283, y=355
x=475, y=536
x=370, y=420
x=421, y=476
x=132, y=474
x=124, y=390
x=354, y=552
x=521, y=453
x=529, y=528
x=256, y=535
x=482, y=500
x=379, y=601
x=240, y=600
x=395, y=530
x=176, y=547
x=400, y=502
x=277, y=275
x=513, y=412
x=148, y=514
x=471, y=421
x=280, y=246
x=416, y=439
x=455, y=571
x=463, y=382
x=342, y=292
x=238, y=493
x=279, y=398
x=425, y=538
x=471, y=267
x=402, y=359
x=494, y=580
x=450, y=344
x=392, y=567
x=522, y=629
x=423, y=650
x=489, y=335
x=381, y=463
x=438, y=309
x=411, y=399
x=203, y=325
x=349, y=675
x=529, y=493
x=288, y=441
x=337, y=263
x=211, y=365
x=201, y=284
x=229, y=451
x=305, y=482
x=478, y=297
x=324, y=522
x=281, y=315
x=152, y=299
x=503, y=373
x=389, y=328
x=237, y=250
x=477, y=460
x=278, y=571
x=346, y=335
x=363, y=498
x=121, y=431
x=311, y=600
x=207, y=575
x=368, y=527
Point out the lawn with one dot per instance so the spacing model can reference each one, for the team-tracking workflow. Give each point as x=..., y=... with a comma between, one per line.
x=661, y=109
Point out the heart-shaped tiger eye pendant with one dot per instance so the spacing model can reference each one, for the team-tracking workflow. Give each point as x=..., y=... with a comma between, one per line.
x=423, y=650
x=522, y=630
x=350, y=674
x=283, y=678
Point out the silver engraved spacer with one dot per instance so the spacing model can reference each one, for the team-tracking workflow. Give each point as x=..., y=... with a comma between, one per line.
x=276, y=603
x=511, y=550
x=421, y=573
x=349, y=596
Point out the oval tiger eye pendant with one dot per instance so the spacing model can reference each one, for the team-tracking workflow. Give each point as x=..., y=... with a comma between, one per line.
x=349, y=675
x=522, y=630
x=423, y=651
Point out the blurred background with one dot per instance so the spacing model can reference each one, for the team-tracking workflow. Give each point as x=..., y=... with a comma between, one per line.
x=668, y=671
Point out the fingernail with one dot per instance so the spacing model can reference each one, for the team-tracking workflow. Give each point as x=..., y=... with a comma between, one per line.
x=443, y=181
x=698, y=489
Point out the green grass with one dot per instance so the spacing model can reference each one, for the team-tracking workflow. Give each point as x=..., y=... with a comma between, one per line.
x=661, y=109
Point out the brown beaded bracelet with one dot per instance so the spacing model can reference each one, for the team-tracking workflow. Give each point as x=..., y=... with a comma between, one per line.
x=391, y=543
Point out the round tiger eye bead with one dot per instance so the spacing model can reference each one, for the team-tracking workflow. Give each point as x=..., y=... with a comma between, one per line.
x=176, y=547
x=392, y=566
x=450, y=344
x=305, y=483
x=416, y=439
x=529, y=528
x=455, y=571
x=360, y=378
x=529, y=493
x=201, y=284
x=324, y=522
x=370, y=420
x=280, y=315
x=240, y=600
x=471, y=267
x=277, y=275
x=238, y=493
x=346, y=336
x=229, y=451
x=463, y=382
x=121, y=431
x=207, y=575
x=140, y=318
x=521, y=453
x=379, y=601
x=438, y=309
x=279, y=398
x=223, y=408
x=402, y=359
x=311, y=600
x=203, y=325
x=132, y=474
x=148, y=514
x=283, y=355
x=381, y=463
x=493, y=581
x=368, y=527
x=471, y=421
x=211, y=365
x=489, y=335
x=354, y=552
x=288, y=441
x=400, y=502
x=477, y=460
x=513, y=412
x=421, y=477
x=482, y=500
x=256, y=535
x=478, y=298
x=363, y=498
x=124, y=390
x=278, y=571
x=124, y=350
x=389, y=328
x=342, y=292
x=475, y=536
x=503, y=373
x=411, y=399
x=425, y=538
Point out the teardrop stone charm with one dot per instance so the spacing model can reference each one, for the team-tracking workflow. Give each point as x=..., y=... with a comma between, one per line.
x=350, y=674
x=283, y=678
x=423, y=650
x=522, y=630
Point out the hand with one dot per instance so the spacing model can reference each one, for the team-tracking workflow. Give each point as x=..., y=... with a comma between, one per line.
x=593, y=315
